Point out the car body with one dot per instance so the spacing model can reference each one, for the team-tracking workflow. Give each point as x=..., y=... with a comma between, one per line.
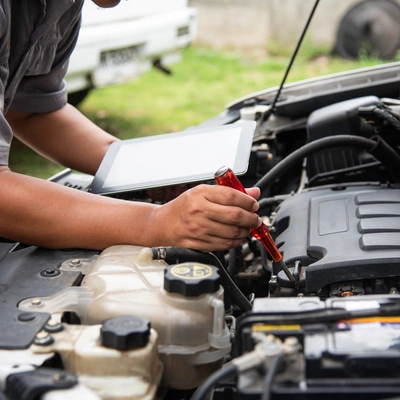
x=121, y=43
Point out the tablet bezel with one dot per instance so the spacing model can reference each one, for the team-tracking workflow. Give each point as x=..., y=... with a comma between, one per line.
x=239, y=166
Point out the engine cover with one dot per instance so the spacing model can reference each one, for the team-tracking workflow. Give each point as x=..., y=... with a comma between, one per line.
x=341, y=234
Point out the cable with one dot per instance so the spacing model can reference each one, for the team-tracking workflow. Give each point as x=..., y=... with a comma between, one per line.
x=375, y=146
x=203, y=391
x=171, y=254
x=270, y=375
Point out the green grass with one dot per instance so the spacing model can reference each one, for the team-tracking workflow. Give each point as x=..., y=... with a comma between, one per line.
x=199, y=88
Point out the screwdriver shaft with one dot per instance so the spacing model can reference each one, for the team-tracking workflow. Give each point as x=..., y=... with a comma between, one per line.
x=226, y=177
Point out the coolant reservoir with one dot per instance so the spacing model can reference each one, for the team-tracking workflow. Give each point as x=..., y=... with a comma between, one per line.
x=117, y=360
x=185, y=307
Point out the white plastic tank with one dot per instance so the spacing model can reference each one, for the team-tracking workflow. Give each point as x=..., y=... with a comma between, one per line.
x=117, y=360
x=185, y=307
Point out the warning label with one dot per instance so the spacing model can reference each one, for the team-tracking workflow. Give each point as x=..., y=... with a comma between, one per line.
x=191, y=271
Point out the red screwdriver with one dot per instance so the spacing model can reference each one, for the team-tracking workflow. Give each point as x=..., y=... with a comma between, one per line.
x=226, y=177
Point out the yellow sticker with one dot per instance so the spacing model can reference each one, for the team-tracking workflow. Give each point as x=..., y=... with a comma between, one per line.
x=265, y=327
x=387, y=320
x=191, y=271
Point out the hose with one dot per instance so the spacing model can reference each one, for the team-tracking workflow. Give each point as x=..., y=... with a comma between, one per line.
x=376, y=146
x=269, y=377
x=273, y=201
x=380, y=113
x=172, y=254
x=203, y=391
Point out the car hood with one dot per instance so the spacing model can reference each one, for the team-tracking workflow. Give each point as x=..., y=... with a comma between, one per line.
x=300, y=98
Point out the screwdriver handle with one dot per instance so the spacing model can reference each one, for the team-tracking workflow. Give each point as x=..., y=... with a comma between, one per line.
x=262, y=234
x=226, y=177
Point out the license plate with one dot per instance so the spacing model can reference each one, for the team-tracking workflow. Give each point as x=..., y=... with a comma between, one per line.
x=116, y=66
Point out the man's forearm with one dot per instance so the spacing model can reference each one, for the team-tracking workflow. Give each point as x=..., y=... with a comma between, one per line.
x=65, y=136
x=50, y=215
x=46, y=214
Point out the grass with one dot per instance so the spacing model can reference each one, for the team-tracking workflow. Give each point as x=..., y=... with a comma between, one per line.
x=199, y=88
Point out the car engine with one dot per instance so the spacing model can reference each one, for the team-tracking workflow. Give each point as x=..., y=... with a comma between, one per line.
x=342, y=241
x=169, y=323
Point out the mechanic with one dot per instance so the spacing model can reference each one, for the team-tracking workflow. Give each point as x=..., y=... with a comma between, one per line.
x=36, y=40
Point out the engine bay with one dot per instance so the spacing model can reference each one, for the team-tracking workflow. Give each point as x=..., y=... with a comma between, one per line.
x=168, y=323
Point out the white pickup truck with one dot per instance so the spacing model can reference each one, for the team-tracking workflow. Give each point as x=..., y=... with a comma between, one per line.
x=118, y=44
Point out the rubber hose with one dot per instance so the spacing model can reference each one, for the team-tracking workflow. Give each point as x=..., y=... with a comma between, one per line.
x=384, y=114
x=232, y=262
x=171, y=254
x=385, y=154
x=270, y=375
x=272, y=201
x=203, y=391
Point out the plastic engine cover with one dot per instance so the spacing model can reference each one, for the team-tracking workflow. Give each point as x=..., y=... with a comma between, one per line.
x=341, y=234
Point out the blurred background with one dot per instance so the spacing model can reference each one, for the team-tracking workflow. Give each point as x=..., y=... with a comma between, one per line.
x=344, y=26
x=153, y=67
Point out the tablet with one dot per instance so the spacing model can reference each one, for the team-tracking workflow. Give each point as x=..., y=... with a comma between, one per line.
x=193, y=155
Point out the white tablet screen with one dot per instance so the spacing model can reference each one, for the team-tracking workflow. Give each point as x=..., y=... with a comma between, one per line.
x=175, y=158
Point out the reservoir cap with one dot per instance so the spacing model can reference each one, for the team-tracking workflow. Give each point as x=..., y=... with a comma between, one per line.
x=125, y=332
x=191, y=279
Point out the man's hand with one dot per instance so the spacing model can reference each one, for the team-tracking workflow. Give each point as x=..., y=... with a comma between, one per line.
x=207, y=218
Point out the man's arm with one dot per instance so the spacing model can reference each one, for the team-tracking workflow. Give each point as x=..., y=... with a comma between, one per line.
x=49, y=215
x=65, y=136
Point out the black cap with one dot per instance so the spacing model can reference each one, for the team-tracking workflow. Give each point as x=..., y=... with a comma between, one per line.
x=191, y=279
x=125, y=332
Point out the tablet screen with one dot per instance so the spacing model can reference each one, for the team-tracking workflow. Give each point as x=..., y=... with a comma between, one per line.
x=193, y=155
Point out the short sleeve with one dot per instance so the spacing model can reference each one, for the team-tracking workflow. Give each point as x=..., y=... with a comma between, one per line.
x=43, y=88
x=5, y=130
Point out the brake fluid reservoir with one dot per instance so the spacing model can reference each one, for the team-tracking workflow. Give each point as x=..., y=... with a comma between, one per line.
x=184, y=303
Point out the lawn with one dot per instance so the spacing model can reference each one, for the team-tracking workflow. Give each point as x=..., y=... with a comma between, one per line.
x=198, y=89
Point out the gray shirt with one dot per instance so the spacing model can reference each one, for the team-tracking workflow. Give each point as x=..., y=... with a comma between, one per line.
x=36, y=40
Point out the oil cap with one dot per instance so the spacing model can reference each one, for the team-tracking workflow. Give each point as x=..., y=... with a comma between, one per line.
x=125, y=332
x=191, y=279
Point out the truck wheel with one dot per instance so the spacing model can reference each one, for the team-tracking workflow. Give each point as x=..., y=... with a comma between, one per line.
x=370, y=28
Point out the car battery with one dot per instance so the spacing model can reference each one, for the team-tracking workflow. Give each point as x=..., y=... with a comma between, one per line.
x=350, y=347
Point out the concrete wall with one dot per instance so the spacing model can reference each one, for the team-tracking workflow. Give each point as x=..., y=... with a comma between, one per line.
x=250, y=24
